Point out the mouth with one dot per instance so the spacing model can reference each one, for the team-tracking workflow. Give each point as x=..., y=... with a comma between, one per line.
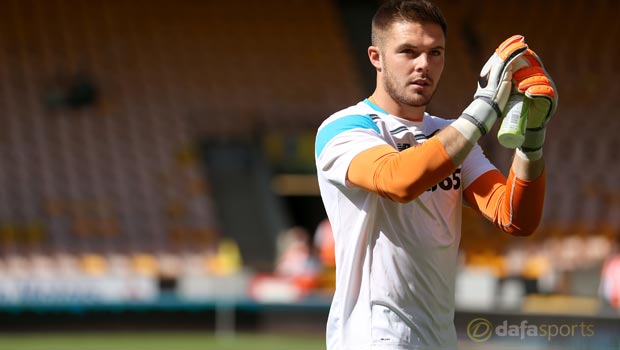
x=421, y=82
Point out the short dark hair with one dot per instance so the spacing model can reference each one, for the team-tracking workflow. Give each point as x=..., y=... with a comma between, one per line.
x=406, y=10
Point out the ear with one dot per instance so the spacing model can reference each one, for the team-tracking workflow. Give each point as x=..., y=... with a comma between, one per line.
x=374, y=55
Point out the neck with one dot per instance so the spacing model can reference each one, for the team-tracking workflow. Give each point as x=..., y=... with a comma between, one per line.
x=387, y=103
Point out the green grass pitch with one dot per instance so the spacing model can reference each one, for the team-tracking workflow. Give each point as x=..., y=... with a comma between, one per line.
x=158, y=341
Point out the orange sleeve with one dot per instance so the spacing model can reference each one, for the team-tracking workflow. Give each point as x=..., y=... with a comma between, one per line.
x=401, y=176
x=513, y=205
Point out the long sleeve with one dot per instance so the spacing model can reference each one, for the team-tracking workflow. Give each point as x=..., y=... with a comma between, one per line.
x=400, y=176
x=513, y=205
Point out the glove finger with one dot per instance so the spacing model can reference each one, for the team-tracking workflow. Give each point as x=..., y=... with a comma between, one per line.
x=540, y=91
x=536, y=81
x=532, y=58
x=524, y=77
x=527, y=60
x=527, y=72
x=512, y=52
x=508, y=46
x=509, y=51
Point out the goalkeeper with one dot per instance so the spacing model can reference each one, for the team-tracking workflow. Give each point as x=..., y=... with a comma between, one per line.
x=394, y=178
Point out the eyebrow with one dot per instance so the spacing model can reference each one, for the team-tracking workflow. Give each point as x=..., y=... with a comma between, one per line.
x=408, y=46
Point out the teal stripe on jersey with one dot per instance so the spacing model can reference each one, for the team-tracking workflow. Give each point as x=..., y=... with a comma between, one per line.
x=343, y=124
x=375, y=107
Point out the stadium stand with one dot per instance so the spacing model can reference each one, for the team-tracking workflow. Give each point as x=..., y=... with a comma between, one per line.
x=106, y=107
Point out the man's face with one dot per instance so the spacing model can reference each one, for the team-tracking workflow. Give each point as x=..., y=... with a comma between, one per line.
x=412, y=60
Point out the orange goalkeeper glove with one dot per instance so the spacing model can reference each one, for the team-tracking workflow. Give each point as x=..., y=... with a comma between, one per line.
x=539, y=104
x=493, y=90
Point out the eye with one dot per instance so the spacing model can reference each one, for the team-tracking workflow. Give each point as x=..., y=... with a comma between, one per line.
x=435, y=53
x=410, y=53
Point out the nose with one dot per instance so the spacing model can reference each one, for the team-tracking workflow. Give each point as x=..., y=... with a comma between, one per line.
x=422, y=62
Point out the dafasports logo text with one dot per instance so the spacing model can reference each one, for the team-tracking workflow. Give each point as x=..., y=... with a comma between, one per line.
x=481, y=329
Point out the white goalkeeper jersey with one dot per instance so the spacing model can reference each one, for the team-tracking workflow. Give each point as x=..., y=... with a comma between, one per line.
x=395, y=263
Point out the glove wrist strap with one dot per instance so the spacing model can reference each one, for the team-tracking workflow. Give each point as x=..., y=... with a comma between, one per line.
x=533, y=144
x=468, y=129
x=482, y=113
x=534, y=140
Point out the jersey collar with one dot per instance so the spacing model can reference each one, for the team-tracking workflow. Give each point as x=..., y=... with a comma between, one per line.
x=402, y=120
x=374, y=106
